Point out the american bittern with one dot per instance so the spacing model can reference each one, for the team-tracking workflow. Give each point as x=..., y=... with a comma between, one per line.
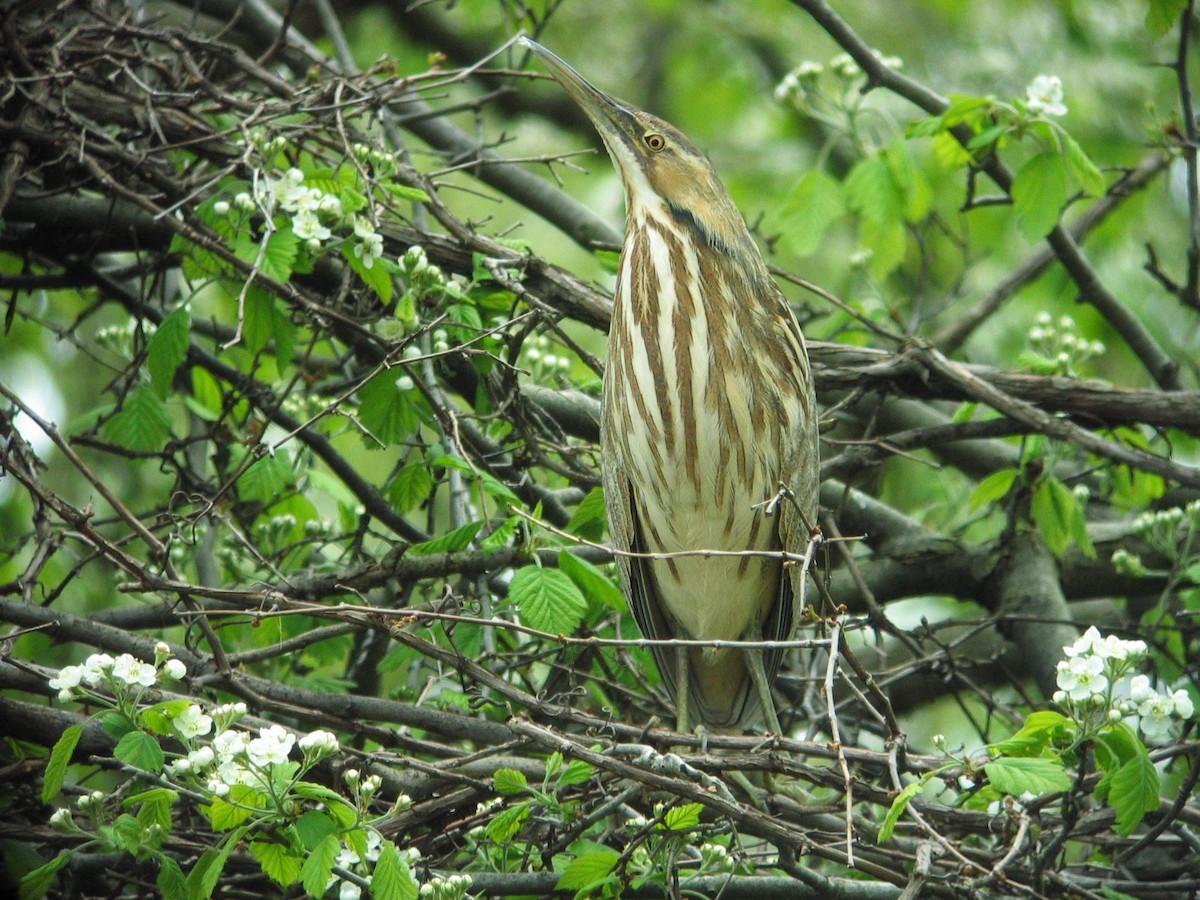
x=709, y=424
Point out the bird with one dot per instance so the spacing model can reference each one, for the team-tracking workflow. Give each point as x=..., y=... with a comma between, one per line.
x=709, y=424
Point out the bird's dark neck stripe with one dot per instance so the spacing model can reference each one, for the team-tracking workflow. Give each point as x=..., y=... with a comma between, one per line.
x=688, y=219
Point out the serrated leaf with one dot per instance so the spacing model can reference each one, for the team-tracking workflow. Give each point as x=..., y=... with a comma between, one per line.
x=35, y=884
x=813, y=205
x=683, y=818
x=547, y=599
x=948, y=152
x=170, y=881
x=392, y=879
x=386, y=410
x=1133, y=792
x=1037, y=775
x=451, y=542
x=267, y=478
x=1060, y=517
x=594, y=584
x=404, y=192
x=377, y=277
x=493, y=485
x=313, y=827
x=278, y=861
x=1039, y=191
x=142, y=424
x=887, y=241
x=166, y=350
x=576, y=772
x=994, y=487
x=258, y=318
x=588, y=870
x=410, y=488
x=243, y=800
x=141, y=750
x=1086, y=172
x=506, y=823
x=896, y=810
x=872, y=192
x=509, y=781
x=279, y=258
x=207, y=397
x=1034, y=736
x=205, y=874
x=60, y=758
x=916, y=194
x=501, y=536
x=1162, y=15
x=588, y=520
x=318, y=866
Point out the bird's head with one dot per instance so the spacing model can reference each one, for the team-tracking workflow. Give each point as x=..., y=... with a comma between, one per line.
x=658, y=165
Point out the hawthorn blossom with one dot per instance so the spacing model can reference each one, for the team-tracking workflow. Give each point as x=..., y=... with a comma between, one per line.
x=1044, y=96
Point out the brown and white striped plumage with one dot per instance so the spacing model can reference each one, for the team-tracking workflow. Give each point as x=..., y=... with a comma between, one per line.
x=708, y=410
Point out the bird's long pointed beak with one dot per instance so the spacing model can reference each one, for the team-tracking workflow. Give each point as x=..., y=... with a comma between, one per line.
x=613, y=120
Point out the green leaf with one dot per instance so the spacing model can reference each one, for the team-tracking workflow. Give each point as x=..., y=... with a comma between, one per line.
x=410, y=488
x=267, y=478
x=279, y=259
x=502, y=535
x=683, y=818
x=280, y=863
x=506, y=823
x=137, y=748
x=1034, y=736
x=547, y=599
x=207, y=398
x=1038, y=193
x=377, y=278
x=588, y=870
x=167, y=348
x=243, y=801
x=315, y=826
x=60, y=758
x=872, y=193
x=1037, y=775
x=1133, y=792
x=142, y=424
x=592, y=581
x=404, y=192
x=318, y=866
x=588, y=520
x=887, y=241
x=1086, y=172
x=205, y=874
x=35, y=884
x=392, y=879
x=493, y=485
x=1060, y=517
x=258, y=318
x=1163, y=14
x=994, y=487
x=509, y=781
x=914, y=189
x=896, y=810
x=813, y=205
x=451, y=542
x=385, y=410
x=576, y=772
x=170, y=881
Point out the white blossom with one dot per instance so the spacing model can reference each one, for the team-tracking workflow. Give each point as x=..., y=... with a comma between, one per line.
x=272, y=745
x=131, y=670
x=321, y=743
x=96, y=666
x=370, y=244
x=308, y=227
x=229, y=744
x=1044, y=96
x=1183, y=704
x=175, y=669
x=193, y=722
x=1082, y=677
x=68, y=677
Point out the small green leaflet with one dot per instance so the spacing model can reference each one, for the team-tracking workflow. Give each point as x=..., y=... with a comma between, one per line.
x=1060, y=518
x=1133, y=792
x=509, y=781
x=278, y=861
x=392, y=879
x=167, y=349
x=267, y=478
x=318, y=866
x=142, y=424
x=506, y=823
x=813, y=205
x=35, y=884
x=899, y=804
x=385, y=410
x=1038, y=193
x=591, y=581
x=683, y=818
x=588, y=519
x=60, y=758
x=1162, y=15
x=140, y=750
x=1035, y=734
x=994, y=487
x=547, y=599
x=1090, y=178
x=377, y=277
x=1037, y=775
x=451, y=542
x=410, y=488
x=588, y=870
x=404, y=192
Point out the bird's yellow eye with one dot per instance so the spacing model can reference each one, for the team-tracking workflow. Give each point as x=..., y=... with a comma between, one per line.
x=655, y=141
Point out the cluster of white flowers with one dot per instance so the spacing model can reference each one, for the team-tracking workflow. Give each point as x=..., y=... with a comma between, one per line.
x=453, y=887
x=796, y=83
x=1059, y=346
x=715, y=858
x=1044, y=96
x=122, y=676
x=1097, y=675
